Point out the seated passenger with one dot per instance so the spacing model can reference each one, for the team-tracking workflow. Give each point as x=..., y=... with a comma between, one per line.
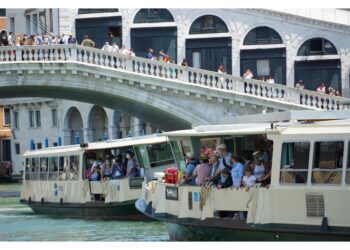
x=227, y=179
x=248, y=178
x=191, y=164
x=202, y=170
x=133, y=169
x=237, y=171
x=117, y=169
x=259, y=169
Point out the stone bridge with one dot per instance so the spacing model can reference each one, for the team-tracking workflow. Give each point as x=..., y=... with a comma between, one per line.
x=165, y=94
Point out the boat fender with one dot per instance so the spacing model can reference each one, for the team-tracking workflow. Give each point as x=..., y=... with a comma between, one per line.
x=29, y=200
x=42, y=201
x=61, y=201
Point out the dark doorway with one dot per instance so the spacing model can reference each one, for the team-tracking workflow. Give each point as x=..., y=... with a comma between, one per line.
x=263, y=62
x=209, y=53
x=155, y=38
x=315, y=72
x=100, y=30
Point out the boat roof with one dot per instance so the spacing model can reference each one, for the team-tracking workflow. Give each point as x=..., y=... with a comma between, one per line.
x=217, y=130
x=73, y=149
x=119, y=143
x=127, y=142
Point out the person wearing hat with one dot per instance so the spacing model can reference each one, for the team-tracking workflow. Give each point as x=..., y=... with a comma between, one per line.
x=259, y=169
x=202, y=171
x=224, y=159
x=191, y=164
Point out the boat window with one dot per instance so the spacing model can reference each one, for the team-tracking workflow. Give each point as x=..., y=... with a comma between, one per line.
x=179, y=156
x=63, y=168
x=347, y=177
x=160, y=155
x=53, y=168
x=74, y=167
x=35, y=169
x=28, y=168
x=294, y=162
x=43, y=168
x=209, y=145
x=328, y=161
x=141, y=155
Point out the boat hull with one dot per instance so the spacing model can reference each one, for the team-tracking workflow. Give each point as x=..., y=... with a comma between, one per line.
x=228, y=229
x=91, y=210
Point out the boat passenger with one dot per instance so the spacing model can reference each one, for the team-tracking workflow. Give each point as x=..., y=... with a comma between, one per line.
x=227, y=179
x=191, y=164
x=106, y=173
x=259, y=169
x=133, y=168
x=248, y=179
x=237, y=171
x=225, y=159
x=214, y=175
x=202, y=170
x=117, y=169
x=95, y=172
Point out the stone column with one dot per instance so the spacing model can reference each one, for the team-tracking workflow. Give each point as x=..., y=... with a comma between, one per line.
x=87, y=135
x=136, y=127
x=66, y=137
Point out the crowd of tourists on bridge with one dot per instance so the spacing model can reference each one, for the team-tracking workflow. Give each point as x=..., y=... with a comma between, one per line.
x=226, y=170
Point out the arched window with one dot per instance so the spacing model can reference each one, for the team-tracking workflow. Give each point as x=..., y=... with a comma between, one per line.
x=208, y=24
x=153, y=16
x=317, y=46
x=262, y=35
x=94, y=11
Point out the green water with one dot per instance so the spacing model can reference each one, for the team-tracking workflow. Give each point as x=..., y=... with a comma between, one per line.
x=20, y=223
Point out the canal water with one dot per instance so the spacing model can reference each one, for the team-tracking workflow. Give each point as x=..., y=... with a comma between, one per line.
x=19, y=223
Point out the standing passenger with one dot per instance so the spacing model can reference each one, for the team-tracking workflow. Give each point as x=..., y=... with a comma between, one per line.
x=225, y=159
x=132, y=166
x=259, y=169
x=202, y=170
x=237, y=171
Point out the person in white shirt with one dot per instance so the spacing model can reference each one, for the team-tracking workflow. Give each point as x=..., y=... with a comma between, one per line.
x=107, y=47
x=321, y=89
x=114, y=48
x=248, y=74
x=270, y=80
x=248, y=179
x=10, y=39
x=124, y=51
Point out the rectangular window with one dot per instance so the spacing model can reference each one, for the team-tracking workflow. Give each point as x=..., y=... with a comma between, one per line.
x=347, y=177
x=55, y=144
x=54, y=117
x=196, y=58
x=12, y=25
x=53, y=168
x=15, y=119
x=7, y=117
x=18, y=148
x=328, y=161
x=28, y=168
x=35, y=169
x=39, y=145
x=31, y=118
x=63, y=168
x=160, y=155
x=294, y=162
x=263, y=67
x=28, y=24
x=74, y=167
x=38, y=118
x=44, y=167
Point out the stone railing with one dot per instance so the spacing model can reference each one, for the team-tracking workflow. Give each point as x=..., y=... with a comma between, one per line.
x=155, y=68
